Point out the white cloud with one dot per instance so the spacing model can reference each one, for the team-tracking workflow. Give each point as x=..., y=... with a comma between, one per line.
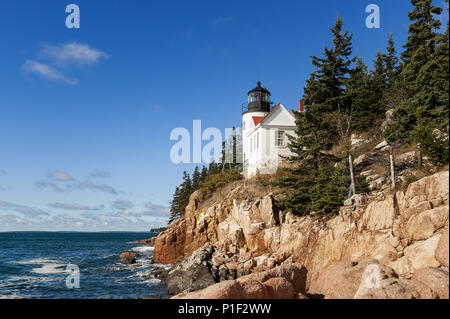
x=56, y=177
x=156, y=210
x=122, y=204
x=60, y=176
x=52, y=186
x=74, y=206
x=96, y=187
x=73, y=52
x=46, y=71
x=25, y=210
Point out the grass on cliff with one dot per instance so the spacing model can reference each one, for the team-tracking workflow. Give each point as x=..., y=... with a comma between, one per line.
x=222, y=185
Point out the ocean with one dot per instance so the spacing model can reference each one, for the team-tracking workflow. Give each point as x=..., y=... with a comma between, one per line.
x=35, y=265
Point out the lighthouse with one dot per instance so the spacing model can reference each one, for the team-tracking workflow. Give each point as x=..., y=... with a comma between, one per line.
x=258, y=104
x=264, y=132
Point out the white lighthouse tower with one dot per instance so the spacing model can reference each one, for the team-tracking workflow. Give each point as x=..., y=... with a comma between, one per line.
x=264, y=133
x=258, y=107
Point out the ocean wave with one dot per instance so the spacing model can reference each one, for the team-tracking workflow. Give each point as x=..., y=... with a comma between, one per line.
x=147, y=250
x=152, y=281
x=28, y=279
x=165, y=266
x=35, y=261
x=141, y=274
x=49, y=266
x=49, y=269
x=13, y=295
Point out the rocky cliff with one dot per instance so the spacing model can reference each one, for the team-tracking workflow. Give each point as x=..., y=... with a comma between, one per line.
x=401, y=230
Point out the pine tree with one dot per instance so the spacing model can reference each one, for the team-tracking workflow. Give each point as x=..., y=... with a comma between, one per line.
x=328, y=114
x=391, y=63
x=423, y=29
x=175, y=210
x=196, y=179
x=431, y=103
x=186, y=191
x=365, y=93
x=379, y=73
x=327, y=85
x=425, y=76
x=213, y=168
x=309, y=145
x=203, y=174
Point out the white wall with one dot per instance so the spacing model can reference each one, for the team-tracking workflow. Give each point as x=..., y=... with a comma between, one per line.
x=264, y=157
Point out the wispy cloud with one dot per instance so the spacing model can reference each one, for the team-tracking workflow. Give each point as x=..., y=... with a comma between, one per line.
x=46, y=71
x=74, y=206
x=60, y=176
x=100, y=174
x=60, y=57
x=25, y=210
x=73, y=52
x=155, y=210
x=60, y=181
x=122, y=204
x=86, y=185
x=53, y=186
x=96, y=187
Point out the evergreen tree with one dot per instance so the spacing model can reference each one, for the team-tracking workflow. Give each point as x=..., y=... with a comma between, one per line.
x=423, y=29
x=328, y=114
x=186, y=190
x=431, y=103
x=391, y=63
x=379, y=72
x=309, y=145
x=196, y=179
x=203, y=174
x=326, y=90
x=175, y=209
x=365, y=92
x=425, y=75
x=213, y=168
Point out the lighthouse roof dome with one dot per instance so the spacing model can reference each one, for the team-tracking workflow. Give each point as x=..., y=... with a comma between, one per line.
x=259, y=88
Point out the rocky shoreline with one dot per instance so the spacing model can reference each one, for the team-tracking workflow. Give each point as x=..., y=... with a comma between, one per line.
x=394, y=245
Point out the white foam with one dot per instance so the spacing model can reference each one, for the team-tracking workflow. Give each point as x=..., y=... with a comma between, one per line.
x=152, y=281
x=165, y=266
x=49, y=269
x=14, y=295
x=35, y=261
x=147, y=250
x=142, y=274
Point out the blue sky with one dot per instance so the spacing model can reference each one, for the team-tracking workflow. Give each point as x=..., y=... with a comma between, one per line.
x=86, y=114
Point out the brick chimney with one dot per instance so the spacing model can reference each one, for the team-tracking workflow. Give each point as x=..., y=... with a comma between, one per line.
x=301, y=107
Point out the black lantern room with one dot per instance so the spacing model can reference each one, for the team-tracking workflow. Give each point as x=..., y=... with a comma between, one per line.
x=259, y=99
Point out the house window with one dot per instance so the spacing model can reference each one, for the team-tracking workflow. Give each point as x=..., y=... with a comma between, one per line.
x=279, y=138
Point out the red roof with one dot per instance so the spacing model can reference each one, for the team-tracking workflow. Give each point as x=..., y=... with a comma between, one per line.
x=258, y=119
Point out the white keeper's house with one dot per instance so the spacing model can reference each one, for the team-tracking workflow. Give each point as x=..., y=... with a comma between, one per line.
x=264, y=132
